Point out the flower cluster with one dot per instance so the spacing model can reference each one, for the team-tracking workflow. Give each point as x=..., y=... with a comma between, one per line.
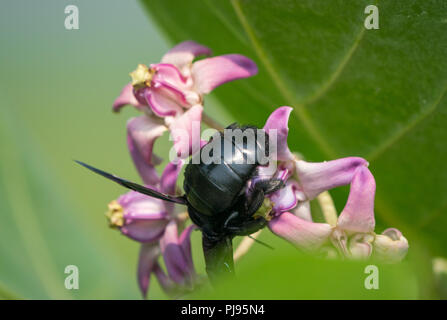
x=170, y=94
x=352, y=234
x=154, y=223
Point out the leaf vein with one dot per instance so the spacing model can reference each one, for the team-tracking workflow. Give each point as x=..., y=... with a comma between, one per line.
x=300, y=111
x=400, y=133
x=338, y=71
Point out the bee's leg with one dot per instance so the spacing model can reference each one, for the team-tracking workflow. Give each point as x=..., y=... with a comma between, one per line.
x=258, y=192
x=254, y=202
x=233, y=126
x=269, y=186
x=202, y=222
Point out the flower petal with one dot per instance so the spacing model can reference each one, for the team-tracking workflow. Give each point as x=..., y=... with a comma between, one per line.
x=278, y=121
x=166, y=284
x=316, y=177
x=358, y=213
x=303, y=234
x=165, y=100
x=144, y=230
x=185, y=244
x=146, y=262
x=302, y=210
x=168, y=182
x=212, y=72
x=185, y=132
x=126, y=97
x=176, y=264
x=284, y=199
x=360, y=245
x=169, y=73
x=138, y=206
x=141, y=135
x=184, y=53
x=390, y=246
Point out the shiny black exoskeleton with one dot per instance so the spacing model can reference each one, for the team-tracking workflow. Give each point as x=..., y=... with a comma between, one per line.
x=219, y=201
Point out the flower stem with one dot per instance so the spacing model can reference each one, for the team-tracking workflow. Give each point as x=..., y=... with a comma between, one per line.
x=218, y=258
x=210, y=122
x=245, y=245
x=327, y=206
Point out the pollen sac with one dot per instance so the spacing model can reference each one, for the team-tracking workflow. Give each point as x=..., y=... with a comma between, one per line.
x=115, y=215
x=141, y=77
x=265, y=210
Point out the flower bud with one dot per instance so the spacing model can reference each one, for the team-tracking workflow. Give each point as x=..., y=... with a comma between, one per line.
x=390, y=246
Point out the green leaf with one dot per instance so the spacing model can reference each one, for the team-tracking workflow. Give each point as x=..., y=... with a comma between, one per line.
x=287, y=274
x=378, y=94
x=42, y=232
x=52, y=210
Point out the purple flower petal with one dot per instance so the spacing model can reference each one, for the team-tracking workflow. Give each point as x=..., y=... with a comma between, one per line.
x=303, y=234
x=146, y=262
x=184, y=53
x=166, y=284
x=144, y=230
x=358, y=213
x=185, y=132
x=126, y=97
x=169, y=73
x=168, y=182
x=284, y=199
x=185, y=244
x=137, y=206
x=165, y=100
x=316, y=177
x=141, y=135
x=278, y=121
x=302, y=210
x=212, y=72
x=173, y=255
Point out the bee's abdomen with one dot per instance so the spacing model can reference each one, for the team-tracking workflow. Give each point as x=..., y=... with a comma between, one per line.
x=214, y=188
x=211, y=189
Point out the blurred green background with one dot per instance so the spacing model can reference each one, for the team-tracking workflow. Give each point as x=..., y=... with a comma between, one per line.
x=56, y=95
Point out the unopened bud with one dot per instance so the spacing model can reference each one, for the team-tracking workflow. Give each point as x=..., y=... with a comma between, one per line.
x=390, y=246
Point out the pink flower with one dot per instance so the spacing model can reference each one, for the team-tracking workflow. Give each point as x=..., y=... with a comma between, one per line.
x=171, y=92
x=154, y=223
x=352, y=234
x=143, y=218
x=176, y=250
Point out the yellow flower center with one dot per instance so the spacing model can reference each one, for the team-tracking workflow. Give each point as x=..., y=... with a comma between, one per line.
x=141, y=76
x=115, y=215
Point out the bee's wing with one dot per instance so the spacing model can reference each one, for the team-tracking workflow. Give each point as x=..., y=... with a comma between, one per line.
x=134, y=186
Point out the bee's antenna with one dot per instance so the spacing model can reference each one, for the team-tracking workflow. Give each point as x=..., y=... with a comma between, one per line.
x=260, y=242
x=134, y=186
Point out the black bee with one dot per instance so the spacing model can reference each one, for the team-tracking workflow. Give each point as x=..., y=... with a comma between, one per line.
x=218, y=198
